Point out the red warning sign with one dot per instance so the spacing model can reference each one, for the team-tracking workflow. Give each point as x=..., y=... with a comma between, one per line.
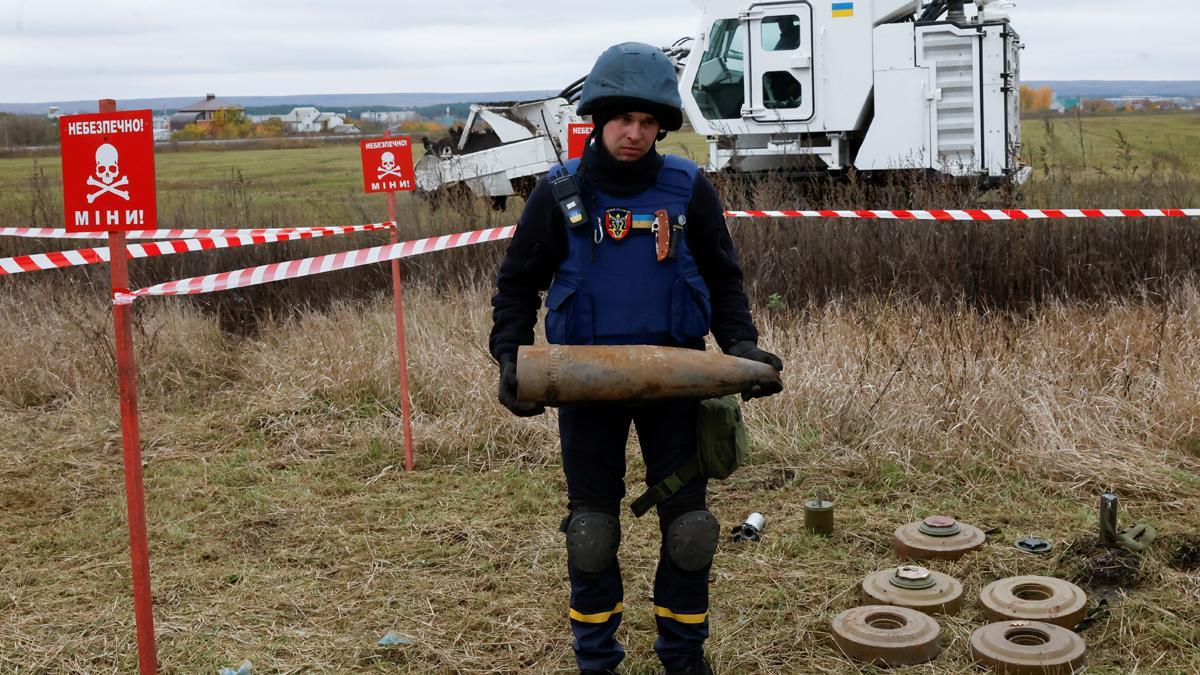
x=577, y=136
x=108, y=171
x=387, y=164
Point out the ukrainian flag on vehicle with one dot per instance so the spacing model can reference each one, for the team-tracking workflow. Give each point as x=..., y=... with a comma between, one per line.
x=843, y=9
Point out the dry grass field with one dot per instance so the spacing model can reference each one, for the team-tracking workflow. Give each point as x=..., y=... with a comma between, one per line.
x=1006, y=375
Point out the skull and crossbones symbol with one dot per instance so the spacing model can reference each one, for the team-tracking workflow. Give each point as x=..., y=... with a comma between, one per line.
x=387, y=166
x=107, y=171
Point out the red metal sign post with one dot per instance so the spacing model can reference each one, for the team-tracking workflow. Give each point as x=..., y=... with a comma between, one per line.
x=116, y=192
x=388, y=167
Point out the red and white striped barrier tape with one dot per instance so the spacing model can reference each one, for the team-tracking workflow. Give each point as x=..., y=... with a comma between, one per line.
x=295, y=269
x=92, y=256
x=975, y=214
x=49, y=233
x=947, y=215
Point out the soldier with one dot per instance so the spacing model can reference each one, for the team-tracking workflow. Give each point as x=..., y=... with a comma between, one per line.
x=591, y=235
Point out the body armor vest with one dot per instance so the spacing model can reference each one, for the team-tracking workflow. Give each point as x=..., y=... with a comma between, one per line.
x=613, y=289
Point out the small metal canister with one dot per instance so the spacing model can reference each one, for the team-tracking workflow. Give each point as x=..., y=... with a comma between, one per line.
x=818, y=515
x=751, y=530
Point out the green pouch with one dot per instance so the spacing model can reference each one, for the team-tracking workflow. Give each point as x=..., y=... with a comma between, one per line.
x=721, y=437
x=721, y=442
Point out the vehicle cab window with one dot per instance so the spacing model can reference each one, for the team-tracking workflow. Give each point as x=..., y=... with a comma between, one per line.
x=719, y=89
x=781, y=89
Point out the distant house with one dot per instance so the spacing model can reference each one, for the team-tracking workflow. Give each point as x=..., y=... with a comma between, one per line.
x=309, y=120
x=200, y=112
x=390, y=117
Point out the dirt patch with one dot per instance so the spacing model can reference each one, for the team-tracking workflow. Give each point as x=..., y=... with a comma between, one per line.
x=1101, y=570
x=1185, y=557
x=778, y=479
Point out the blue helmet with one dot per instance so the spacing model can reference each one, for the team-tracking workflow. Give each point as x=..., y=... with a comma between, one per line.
x=634, y=77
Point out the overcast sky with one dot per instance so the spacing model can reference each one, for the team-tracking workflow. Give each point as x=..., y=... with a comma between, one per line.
x=76, y=49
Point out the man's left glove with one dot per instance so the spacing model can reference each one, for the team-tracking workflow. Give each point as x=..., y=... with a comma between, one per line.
x=508, y=390
x=750, y=350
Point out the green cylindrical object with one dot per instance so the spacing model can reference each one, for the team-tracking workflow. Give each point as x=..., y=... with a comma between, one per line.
x=818, y=516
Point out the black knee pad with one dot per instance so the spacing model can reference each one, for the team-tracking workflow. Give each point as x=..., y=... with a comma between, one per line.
x=692, y=540
x=592, y=541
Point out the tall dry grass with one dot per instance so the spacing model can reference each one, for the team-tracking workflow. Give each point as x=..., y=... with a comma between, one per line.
x=1087, y=395
x=283, y=529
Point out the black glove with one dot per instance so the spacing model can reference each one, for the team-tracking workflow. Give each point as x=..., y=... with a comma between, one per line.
x=750, y=350
x=508, y=390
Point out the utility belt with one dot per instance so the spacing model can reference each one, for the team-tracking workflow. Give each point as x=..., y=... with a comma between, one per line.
x=721, y=442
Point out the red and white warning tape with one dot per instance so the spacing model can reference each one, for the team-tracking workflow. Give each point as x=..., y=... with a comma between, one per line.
x=956, y=215
x=92, y=256
x=294, y=269
x=975, y=214
x=48, y=233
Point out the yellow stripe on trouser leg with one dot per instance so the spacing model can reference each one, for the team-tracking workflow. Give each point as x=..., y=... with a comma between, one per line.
x=681, y=618
x=599, y=617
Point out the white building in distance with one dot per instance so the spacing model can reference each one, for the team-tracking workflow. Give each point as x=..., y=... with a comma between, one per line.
x=309, y=120
x=390, y=117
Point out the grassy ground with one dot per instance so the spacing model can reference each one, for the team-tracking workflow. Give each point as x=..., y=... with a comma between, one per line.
x=1113, y=144
x=283, y=529
x=1168, y=140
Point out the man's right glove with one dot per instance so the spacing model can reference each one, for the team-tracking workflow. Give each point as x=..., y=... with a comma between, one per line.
x=750, y=350
x=508, y=390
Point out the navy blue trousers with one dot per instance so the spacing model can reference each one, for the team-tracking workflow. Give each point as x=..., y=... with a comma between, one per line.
x=593, y=449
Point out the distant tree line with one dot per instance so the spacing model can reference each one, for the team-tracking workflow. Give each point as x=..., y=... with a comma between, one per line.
x=23, y=130
x=1041, y=100
x=1036, y=100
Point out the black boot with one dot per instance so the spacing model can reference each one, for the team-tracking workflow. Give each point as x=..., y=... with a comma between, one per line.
x=697, y=666
x=597, y=672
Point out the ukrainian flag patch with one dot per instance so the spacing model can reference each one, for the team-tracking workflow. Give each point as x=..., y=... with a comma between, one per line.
x=843, y=9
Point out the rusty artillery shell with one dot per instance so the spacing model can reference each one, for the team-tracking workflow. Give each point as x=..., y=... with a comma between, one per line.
x=559, y=374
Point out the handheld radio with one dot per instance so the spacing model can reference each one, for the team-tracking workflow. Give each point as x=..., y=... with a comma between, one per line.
x=566, y=191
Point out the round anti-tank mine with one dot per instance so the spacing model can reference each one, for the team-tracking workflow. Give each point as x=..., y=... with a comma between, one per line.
x=1035, y=598
x=937, y=538
x=915, y=588
x=1028, y=648
x=886, y=635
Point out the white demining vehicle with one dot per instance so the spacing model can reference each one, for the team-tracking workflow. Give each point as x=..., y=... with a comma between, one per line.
x=797, y=87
